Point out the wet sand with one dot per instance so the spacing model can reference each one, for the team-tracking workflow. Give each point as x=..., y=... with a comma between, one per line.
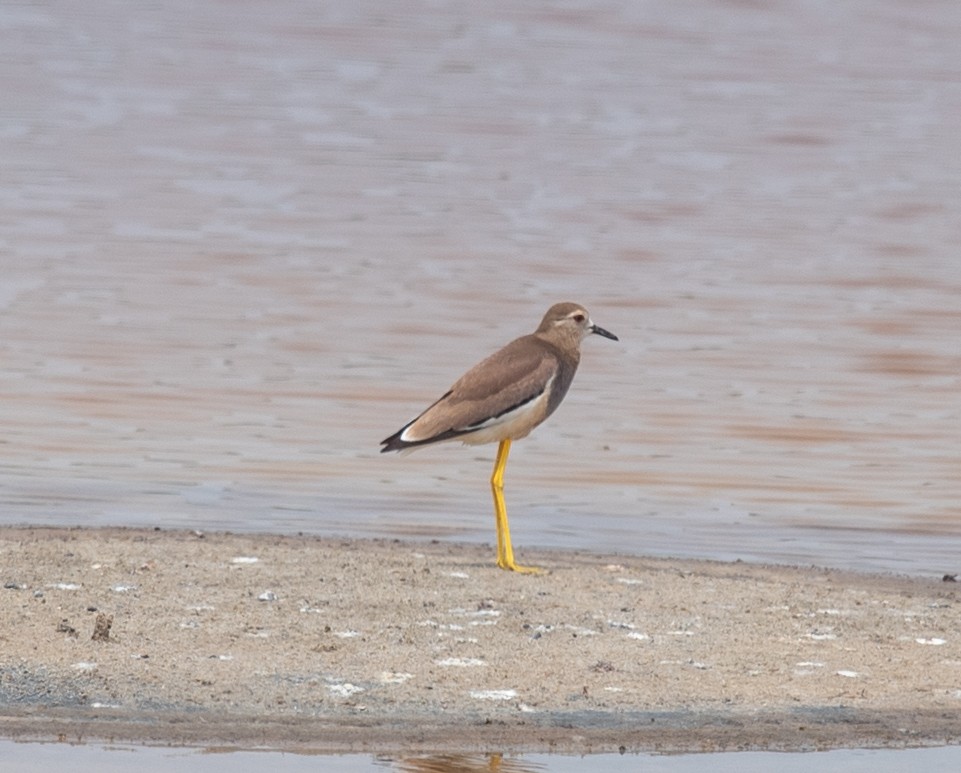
x=381, y=645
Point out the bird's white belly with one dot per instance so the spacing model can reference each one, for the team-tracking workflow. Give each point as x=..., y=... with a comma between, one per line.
x=513, y=425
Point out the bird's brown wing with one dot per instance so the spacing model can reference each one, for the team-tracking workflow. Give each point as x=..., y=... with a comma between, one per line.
x=507, y=379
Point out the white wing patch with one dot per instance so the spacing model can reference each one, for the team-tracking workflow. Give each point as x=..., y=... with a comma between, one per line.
x=513, y=425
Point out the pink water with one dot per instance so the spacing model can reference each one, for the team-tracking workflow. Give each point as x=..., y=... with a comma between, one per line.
x=243, y=242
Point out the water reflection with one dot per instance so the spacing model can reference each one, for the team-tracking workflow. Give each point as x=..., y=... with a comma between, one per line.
x=461, y=763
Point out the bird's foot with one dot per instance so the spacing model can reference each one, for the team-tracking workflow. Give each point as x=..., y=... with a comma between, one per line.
x=510, y=566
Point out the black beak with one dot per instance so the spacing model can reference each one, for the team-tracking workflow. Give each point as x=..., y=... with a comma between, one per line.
x=602, y=332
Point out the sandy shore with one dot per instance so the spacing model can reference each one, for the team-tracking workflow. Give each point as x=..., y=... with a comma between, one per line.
x=367, y=645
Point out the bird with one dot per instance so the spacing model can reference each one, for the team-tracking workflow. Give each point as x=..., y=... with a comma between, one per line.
x=504, y=397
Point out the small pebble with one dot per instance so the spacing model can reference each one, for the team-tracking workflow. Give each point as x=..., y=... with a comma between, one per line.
x=393, y=677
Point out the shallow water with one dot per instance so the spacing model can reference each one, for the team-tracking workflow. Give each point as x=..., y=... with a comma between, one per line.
x=240, y=245
x=103, y=759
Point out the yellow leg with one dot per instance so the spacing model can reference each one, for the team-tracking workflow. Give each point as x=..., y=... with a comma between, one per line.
x=505, y=553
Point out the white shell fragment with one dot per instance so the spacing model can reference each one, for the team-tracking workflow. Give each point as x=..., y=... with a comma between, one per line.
x=344, y=690
x=460, y=662
x=493, y=695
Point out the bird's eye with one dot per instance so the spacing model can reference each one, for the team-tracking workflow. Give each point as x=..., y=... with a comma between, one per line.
x=578, y=317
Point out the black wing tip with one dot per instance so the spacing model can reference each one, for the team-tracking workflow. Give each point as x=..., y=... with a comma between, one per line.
x=393, y=443
x=396, y=443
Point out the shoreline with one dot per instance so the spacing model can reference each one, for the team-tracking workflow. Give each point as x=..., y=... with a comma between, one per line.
x=319, y=645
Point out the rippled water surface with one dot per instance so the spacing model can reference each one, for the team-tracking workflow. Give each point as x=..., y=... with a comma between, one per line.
x=120, y=757
x=243, y=242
